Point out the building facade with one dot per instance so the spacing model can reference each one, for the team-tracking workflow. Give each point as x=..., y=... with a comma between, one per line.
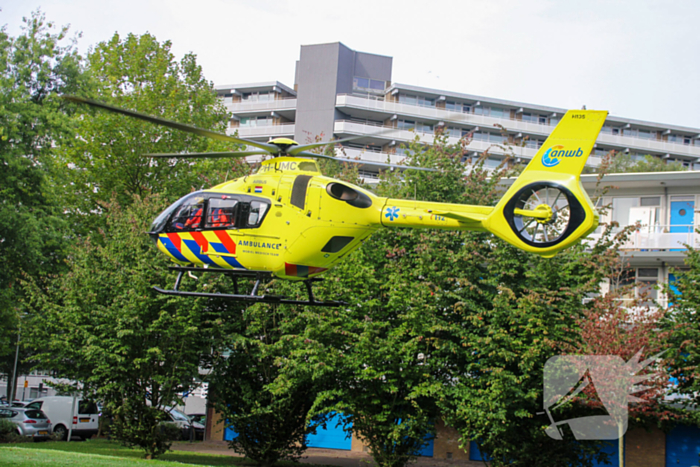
x=340, y=93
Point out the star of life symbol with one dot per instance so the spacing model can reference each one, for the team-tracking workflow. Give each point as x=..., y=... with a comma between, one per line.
x=392, y=213
x=606, y=381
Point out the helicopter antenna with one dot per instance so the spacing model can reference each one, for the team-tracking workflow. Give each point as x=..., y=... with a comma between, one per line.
x=226, y=177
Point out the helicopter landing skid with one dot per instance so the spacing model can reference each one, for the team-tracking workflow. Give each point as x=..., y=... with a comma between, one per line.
x=253, y=296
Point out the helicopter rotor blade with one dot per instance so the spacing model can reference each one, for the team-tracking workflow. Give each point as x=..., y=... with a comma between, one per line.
x=269, y=148
x=203, y=155
x=363, y=162
x=297, y=150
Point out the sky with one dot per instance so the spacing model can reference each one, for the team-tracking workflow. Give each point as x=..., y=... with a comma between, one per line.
x=634, y=58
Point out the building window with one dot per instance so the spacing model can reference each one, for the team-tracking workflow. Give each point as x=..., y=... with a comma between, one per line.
x=406, y=124
x=499, y=113
x=425, y=102
x=368, y=85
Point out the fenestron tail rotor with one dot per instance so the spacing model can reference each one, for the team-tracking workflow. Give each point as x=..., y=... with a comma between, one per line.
x=275, y=147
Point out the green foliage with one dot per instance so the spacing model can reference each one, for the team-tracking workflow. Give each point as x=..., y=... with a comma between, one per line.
x=251, y=386
x=104, y=326
x=107, y=154
x=7, y=430
x=624, y=163
x=684, y=321
x=456, y=325
x=35, y=68
x=387, y=347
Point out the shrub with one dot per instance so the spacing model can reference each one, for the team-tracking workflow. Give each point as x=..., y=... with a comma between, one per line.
x=7, y=429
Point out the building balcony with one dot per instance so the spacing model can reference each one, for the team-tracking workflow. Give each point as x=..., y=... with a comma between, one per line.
x=262, y=106
x=369, y=108
x=643, y=146
x=269, y=131
x=657, y=237
x=385, y=134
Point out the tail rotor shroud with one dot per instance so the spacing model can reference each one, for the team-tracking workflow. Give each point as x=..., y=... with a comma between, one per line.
x=565, y=214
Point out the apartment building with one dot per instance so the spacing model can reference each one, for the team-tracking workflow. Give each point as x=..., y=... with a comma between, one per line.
x=340, y=93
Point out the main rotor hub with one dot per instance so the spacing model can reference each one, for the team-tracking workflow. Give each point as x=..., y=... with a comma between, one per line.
x=283, y=143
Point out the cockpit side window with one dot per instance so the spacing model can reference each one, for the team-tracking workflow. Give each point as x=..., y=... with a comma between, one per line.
x=188, y=216
x=221, y=213
x=201, y=210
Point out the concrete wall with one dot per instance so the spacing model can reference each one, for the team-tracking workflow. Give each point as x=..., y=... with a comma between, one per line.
x=317, y=74
x=324, y=71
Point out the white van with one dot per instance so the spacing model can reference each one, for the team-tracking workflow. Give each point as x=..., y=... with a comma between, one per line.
x=58, y=408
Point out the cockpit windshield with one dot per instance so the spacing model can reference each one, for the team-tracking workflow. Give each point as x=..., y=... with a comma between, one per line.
x=207, y=211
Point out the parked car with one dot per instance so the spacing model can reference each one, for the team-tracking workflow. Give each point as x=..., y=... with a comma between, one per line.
x=85, y=418
x=189, y=429
x=19, y=403
x=200, y=418
x=30, y=422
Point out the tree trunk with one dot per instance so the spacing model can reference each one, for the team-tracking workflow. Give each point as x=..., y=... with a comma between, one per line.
x=621, y=446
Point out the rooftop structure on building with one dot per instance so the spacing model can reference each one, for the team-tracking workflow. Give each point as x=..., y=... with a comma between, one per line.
x=339, y=93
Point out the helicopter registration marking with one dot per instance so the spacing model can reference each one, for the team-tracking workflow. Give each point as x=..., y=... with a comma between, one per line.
x=290, y=165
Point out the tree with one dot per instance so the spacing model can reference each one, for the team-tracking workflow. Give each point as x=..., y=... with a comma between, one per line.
x=630, y=330
x=140, y=73
x=683, y=318
x=103, y=326
x=624, y=163
x=266, y=405
x=36, y=67
x=383, y=348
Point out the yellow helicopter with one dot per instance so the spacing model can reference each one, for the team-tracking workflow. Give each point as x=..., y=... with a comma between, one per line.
x=289, y=221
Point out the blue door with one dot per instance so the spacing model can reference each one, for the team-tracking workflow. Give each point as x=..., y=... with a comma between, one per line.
x=475, y=454
x=331, y=437
x=683, y=446
x=612, y=448
x=427, y=450
x=682, y=218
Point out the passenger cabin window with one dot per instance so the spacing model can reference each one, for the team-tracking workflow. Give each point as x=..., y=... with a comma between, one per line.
x=221, y=213
x=257, y=213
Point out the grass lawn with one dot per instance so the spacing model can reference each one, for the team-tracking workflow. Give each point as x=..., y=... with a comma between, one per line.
x=100, y=453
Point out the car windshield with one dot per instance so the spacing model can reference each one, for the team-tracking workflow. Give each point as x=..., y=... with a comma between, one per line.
x=179, y=416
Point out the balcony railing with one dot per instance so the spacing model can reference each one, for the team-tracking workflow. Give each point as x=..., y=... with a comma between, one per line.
x=388, y=133
x=658, y=237
x=270, y=131
x=257, y=106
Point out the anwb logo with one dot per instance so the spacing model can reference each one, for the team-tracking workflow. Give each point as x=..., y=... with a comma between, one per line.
x=556, y=153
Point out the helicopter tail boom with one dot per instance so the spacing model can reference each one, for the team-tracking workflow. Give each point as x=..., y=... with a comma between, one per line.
x=546, y=209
